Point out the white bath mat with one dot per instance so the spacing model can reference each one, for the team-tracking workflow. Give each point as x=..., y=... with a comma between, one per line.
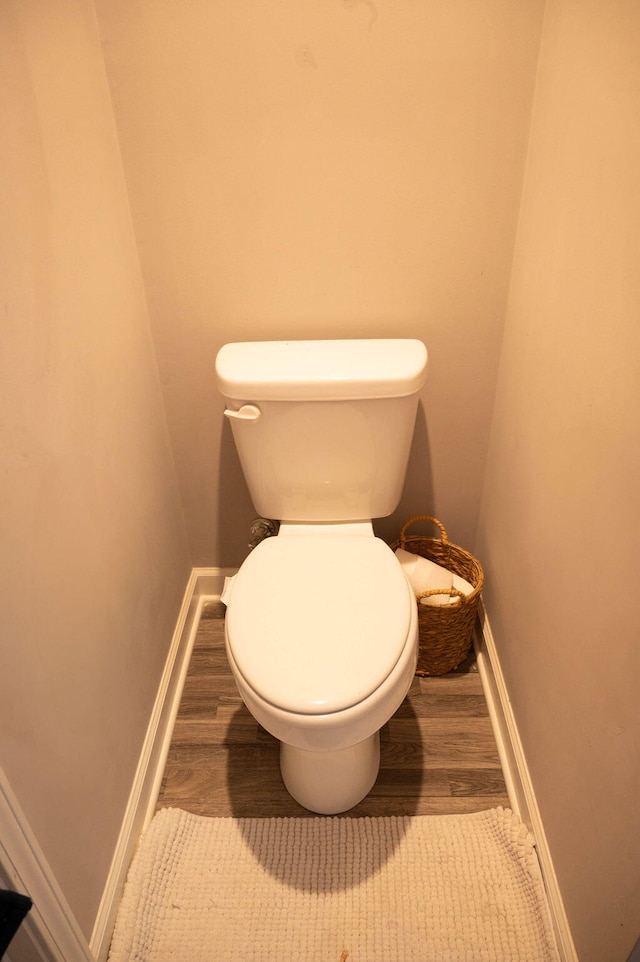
x=438, y=888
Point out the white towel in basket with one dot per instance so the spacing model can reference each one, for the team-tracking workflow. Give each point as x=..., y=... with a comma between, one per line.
x=426, y=575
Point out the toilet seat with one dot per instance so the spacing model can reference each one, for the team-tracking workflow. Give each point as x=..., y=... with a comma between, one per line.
x=305, y=634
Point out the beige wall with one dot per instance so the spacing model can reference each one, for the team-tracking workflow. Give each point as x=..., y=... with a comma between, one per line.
x=94, y=557
x=305, y=169
x=561, y=513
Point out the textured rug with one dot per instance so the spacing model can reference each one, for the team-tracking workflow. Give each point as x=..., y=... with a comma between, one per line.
x=439, y=888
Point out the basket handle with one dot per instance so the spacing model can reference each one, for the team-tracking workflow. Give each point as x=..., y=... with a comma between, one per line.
x=423, y=517
x=452, y=592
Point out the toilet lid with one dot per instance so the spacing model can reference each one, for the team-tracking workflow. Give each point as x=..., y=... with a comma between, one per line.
x=315, y=624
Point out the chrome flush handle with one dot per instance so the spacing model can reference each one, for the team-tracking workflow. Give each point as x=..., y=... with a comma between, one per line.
x=248, y=412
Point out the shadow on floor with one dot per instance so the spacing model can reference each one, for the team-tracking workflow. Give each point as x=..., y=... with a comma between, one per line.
x=256, y=791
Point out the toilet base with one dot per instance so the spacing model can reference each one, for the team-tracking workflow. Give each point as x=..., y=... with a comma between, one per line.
x=331, y=782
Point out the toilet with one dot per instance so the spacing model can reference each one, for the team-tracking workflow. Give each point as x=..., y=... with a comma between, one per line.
x=321, y=626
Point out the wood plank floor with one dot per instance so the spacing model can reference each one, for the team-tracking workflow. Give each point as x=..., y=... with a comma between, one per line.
x=438, y=753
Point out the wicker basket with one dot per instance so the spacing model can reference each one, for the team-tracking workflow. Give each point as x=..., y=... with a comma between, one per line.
x=444, y=631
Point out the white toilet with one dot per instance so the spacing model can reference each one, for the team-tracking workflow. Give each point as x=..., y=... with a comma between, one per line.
x=321, y=626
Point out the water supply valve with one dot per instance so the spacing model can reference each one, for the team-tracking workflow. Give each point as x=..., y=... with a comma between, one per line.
x=262, y=528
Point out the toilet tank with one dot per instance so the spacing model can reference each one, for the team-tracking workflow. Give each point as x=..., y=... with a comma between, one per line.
x=323, y=429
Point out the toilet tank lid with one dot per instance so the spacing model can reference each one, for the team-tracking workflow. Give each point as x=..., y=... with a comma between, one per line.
x=321, y=370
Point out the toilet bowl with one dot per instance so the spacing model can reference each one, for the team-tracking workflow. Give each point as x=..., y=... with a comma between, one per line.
x=321, y=636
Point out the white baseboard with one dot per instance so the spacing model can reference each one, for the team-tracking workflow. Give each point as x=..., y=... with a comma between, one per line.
x=204, y=584
x=518, y=780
